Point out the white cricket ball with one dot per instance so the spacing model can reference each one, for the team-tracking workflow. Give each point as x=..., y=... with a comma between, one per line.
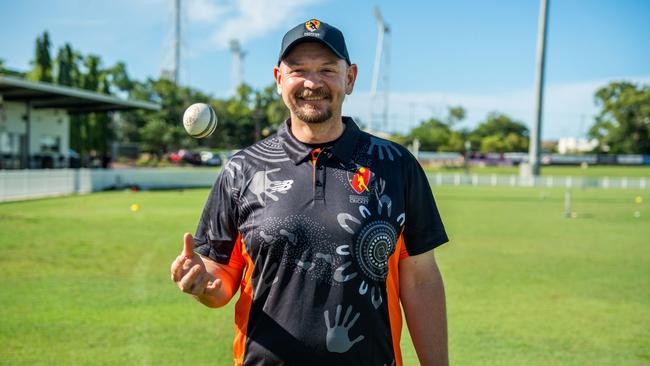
x=200, y=120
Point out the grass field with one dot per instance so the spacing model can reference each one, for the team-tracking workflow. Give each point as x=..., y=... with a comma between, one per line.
x=558, y=170
x=85, y=281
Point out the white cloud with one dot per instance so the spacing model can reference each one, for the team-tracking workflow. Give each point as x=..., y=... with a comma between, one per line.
x=248, y=19
x=568, y=108
x=205, y=11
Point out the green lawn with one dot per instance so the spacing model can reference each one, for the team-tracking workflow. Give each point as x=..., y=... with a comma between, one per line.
x=556, y=170
x=85, y=281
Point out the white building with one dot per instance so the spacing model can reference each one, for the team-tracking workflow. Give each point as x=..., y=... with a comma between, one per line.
x=571, y=145
x=35, y=120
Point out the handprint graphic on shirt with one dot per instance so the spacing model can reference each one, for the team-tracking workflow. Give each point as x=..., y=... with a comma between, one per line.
x=382, y=146
x=262, y=184
x=338, y=338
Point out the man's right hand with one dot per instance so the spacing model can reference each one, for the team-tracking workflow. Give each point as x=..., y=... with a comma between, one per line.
x=191, y=276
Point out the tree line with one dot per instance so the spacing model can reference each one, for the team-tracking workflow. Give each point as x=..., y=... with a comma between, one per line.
x=496, y=133
x=621, y=127
x=243, y=118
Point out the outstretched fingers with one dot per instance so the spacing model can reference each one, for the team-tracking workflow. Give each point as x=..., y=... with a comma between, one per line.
x=338, y=315
x=354, y=320
x=327, y=319
x=347, y=315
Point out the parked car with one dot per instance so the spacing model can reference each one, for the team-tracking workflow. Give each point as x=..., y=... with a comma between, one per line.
x=175, y=157
x=185, y=156
x=210, y=159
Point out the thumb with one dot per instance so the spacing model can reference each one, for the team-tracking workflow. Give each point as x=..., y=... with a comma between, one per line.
x=188, y=245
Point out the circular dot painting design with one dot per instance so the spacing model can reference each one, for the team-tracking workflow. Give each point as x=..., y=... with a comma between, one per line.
x=374, y=245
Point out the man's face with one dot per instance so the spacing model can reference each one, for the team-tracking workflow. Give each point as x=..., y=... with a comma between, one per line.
x=313, y=82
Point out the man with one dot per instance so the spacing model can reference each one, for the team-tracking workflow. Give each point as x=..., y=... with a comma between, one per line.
x=323, y=227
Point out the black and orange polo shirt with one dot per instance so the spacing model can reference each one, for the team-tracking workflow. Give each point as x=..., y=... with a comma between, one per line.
x=319, y=235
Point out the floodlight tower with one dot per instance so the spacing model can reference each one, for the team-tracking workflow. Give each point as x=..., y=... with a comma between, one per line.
x=386, y=77
x=535, y=136
x=382, y=36
x=177, y=40
x=237, y=63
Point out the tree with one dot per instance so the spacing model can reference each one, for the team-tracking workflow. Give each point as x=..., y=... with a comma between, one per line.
x=42, y=63
x=90, y=79
x=438, y=135
x=158, y=137
x=6, y=71
x=272, y=105
x=455, y=143
x=500, y=133
x=433, y=134
x=242, y=118
x=623, y=124
x=455, y=115
x=67, y=66
x=119, y=77
x=246, y=114
x=92, y=132
x=161, y=131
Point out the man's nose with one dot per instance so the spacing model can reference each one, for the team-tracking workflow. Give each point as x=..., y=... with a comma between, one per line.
x=312, y=81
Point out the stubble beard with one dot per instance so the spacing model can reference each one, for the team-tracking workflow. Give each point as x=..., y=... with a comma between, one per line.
x=314, y=116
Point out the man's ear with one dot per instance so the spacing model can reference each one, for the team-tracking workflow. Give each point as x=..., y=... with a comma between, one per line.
x=277, y=75
x=350, y=78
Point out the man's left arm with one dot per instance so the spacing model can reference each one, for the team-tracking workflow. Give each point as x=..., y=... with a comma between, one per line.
x=422, y=294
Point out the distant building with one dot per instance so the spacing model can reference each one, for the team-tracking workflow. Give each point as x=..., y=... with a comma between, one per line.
x=549, y=146
x=35, y=120
x=572, y=145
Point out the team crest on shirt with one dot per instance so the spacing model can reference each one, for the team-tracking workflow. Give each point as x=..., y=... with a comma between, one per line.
x=360, y=181
x=312, y=25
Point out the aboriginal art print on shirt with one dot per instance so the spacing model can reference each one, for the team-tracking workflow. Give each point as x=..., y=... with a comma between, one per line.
x=316, y=258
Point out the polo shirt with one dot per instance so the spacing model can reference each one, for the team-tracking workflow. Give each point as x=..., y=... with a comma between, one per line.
x=319, y=236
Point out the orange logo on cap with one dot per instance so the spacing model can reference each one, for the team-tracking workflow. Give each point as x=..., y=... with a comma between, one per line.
x=312, y=25
x=360, y=180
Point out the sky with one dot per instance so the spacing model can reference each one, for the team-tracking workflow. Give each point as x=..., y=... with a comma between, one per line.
x=474, y=53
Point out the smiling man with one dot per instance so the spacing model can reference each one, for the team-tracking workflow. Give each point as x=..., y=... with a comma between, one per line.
x=325, y=230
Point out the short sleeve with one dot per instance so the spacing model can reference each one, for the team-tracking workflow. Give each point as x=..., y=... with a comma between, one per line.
x=216, y=234
x=423, y=229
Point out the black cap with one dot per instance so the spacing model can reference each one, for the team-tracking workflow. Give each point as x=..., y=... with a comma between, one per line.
x=315, y=31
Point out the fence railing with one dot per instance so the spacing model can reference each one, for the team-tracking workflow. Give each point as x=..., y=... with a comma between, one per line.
x=37, y=183
x=29, y=184
x=542, y=181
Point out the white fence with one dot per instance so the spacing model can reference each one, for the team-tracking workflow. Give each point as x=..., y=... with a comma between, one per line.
x=543, y=181
x=28, y=184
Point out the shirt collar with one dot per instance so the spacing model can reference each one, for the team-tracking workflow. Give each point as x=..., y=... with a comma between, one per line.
x=342, y=149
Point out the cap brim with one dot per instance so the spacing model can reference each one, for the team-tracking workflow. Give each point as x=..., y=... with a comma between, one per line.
x=310, y=39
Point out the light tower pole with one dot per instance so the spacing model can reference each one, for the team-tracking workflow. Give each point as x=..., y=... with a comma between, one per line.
x=237, y=63
x=177, y=41
x=534, y=152
x=379, y=51
x=386, y=71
